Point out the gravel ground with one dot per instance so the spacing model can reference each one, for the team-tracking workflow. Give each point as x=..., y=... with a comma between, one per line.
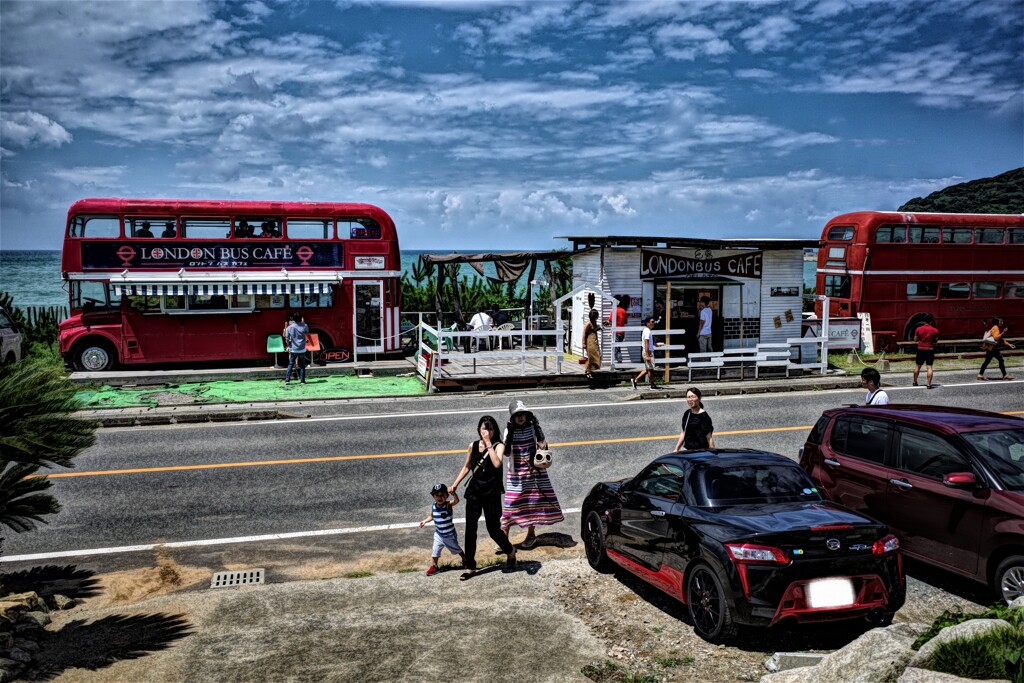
x=647, y=635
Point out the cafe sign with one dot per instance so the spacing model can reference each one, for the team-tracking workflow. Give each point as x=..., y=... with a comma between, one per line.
x=662, y=265
x=206, y=254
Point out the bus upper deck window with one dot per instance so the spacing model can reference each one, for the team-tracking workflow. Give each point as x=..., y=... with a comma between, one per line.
x=359, y=228
x=837, y=286
x=990, y=235
x=1015, y=290
x=309, y=229
x=890, y=234
x=1015, y=235
x=95, y=226
x=840, y=233
x=206, y=228
x=958, y=235
x=920, y=234
x=260, y=227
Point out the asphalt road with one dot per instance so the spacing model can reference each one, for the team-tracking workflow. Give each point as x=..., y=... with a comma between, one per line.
x=372, y=463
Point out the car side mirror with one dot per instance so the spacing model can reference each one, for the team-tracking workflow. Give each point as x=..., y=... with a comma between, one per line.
x=960, y=480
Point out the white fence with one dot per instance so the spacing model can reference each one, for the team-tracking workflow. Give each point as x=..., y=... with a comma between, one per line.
x=451, y=345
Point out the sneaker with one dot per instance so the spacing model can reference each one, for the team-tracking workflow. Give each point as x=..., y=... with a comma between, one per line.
x=431, y=570
x=287, y=382
x=302, y=382
x=632, y=380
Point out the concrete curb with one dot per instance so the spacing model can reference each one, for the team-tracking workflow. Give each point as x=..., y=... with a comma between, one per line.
x=822, y=384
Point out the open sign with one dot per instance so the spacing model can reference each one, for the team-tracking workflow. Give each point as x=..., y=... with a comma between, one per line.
x=338, y=355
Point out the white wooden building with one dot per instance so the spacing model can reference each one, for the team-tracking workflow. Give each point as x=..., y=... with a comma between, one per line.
x=755, y=286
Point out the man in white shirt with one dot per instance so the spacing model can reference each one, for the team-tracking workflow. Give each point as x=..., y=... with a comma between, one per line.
x=871, y=380
x=704, y=332
x=480, y=319
x=648, y=345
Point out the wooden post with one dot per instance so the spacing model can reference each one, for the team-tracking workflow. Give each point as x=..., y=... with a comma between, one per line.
x=668, y=324
x=529, y=290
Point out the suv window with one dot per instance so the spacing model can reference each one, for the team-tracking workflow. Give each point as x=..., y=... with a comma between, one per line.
x=927, y=454
x=818, y=431
x=861, y=437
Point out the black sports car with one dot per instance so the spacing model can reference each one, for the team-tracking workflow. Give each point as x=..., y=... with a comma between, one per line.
x=743, y=537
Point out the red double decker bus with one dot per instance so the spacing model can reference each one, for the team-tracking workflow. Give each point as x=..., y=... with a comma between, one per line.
x=964, y=269
x=173, y=281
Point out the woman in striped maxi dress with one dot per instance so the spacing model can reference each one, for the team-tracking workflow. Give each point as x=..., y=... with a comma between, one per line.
x=530, y=499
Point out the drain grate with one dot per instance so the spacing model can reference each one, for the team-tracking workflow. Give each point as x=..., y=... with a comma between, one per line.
x=246, y=577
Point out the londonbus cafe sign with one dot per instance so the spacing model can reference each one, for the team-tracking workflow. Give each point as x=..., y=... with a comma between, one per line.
x=110, y=255
x=660, y=264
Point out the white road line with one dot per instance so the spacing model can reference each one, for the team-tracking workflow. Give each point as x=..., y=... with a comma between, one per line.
x=222, y=541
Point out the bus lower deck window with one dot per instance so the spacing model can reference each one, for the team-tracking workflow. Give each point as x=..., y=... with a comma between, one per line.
x=922, y=290
x=987, y=290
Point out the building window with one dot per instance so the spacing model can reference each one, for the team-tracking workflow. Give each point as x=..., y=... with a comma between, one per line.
x=922, y=290
x=955, y=290
x=891, y=234
x=988, y=290
x=837, y=286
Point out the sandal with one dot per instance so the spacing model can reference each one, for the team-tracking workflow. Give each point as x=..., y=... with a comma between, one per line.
x=982, y=378
x=466, y=576
x=1007, y=377
x=528, y=542
x=510, y=562
x=915, y=384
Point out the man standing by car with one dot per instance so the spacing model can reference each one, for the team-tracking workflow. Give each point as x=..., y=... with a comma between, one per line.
x=926, y=335
x=872, y=381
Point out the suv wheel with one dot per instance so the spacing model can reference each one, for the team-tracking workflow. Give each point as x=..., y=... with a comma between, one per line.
x=710, y=605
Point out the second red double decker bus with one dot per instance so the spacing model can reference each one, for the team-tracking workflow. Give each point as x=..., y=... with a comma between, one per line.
x=173, y=281
x=964, y=269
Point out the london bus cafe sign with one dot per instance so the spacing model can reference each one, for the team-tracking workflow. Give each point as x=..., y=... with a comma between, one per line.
x=108, y=255
x=660, y=264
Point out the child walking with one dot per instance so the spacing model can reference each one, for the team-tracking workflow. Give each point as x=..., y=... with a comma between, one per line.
x=445, y=535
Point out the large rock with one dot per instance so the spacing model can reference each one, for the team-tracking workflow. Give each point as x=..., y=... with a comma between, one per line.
x=878, y=656
x=968, y=629
x=1019, y=602
x=913, y=675
x=12, y=606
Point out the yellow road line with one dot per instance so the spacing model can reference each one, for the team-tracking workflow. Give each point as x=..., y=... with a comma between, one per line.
x=412, y=454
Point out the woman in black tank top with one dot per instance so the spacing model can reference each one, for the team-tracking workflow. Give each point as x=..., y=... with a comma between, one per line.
x=484, y=492
x=697, y=428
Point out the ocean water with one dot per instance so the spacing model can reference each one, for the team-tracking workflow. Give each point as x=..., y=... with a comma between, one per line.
x=33, y=277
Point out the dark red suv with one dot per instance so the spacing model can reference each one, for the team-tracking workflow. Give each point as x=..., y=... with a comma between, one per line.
x=949, y=482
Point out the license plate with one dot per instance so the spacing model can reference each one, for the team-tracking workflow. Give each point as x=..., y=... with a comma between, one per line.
x=830, y=593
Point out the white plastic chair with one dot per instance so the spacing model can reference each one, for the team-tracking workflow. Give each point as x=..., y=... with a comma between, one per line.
x=506, y=333
x=480, y=335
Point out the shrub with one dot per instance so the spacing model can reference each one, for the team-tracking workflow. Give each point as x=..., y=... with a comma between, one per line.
x=996, y=654
x=1014, y=616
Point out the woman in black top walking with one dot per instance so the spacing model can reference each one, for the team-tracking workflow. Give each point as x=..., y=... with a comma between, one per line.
x=484, y=492
x=698, y=429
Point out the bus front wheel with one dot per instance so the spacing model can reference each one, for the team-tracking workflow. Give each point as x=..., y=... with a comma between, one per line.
x=915, y=322
x=95, y=357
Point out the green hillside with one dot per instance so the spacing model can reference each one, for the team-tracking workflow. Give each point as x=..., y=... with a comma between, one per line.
x=1003, y=193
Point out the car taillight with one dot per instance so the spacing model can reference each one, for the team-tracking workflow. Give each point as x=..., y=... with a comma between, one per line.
x=756, y=554
x=884, y=546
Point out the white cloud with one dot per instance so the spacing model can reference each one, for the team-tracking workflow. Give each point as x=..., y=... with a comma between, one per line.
x=687, y=41
x=90, y=176
x=29, y=129
x=771, y=34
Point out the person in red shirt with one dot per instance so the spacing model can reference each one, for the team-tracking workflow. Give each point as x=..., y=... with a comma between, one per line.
x=926, y=337
x=621, y=318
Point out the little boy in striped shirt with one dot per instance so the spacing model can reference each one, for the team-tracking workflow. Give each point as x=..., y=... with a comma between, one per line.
x=445, y=535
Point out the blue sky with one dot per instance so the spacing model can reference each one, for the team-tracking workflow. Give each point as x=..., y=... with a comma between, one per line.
x=484, y=124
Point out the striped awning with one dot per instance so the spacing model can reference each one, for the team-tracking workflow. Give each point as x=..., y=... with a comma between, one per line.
x=221, y=288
